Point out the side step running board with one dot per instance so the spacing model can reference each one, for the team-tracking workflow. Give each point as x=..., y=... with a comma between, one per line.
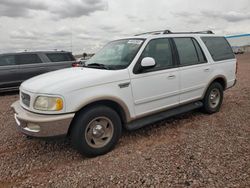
x=136, y=124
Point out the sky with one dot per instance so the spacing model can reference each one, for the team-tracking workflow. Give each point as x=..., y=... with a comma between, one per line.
x=86, y=25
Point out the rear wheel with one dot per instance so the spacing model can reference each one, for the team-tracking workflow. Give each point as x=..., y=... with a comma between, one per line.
x=96, y=130
x=213, y=98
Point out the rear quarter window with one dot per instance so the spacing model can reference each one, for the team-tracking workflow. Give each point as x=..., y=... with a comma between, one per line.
x=219, y=48
x=60, y=57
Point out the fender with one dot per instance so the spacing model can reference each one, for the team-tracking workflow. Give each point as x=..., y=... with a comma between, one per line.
x=108, y=98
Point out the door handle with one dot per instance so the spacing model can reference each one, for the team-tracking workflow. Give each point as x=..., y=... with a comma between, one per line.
x=207, y=69
x=171, y=76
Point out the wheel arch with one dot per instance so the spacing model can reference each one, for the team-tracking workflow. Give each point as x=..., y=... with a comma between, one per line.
x=220, y=79
x=119, y=106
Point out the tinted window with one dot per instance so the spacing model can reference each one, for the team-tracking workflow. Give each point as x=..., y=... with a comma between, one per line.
x=28, y=59
x=7, y=60
x=160, y=50
x=187, y=51
x=219, y=48
x=59, y=57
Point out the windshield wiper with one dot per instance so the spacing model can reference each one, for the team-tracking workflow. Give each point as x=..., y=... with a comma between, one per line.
x=97, y=65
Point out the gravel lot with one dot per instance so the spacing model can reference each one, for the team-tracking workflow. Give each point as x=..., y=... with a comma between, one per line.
x=194, y=149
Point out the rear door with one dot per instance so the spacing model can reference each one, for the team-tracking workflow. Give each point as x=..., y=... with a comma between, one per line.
x=194, y=69
x=8, y=72
x=59, y=60
x=30, y=65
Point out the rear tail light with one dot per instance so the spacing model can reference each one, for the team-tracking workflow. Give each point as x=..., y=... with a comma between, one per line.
x=76, y=64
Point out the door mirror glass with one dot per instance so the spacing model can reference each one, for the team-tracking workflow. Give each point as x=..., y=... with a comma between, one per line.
x=148, y=62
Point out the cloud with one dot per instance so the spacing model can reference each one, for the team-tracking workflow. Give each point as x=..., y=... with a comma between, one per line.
x=24, y=34
x=20, y=8
x=61, y=32
x=135, y=18
x=59, y=9
x=11, y=12
x=231, y=16
x=34, y=34
x=78, y=8
x=88, y=37
x=51, y=24
x=28, y=4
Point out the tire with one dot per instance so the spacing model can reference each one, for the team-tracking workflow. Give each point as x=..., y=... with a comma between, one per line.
x=211, y=103
x=96, y=130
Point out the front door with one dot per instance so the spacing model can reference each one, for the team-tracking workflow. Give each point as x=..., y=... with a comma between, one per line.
x=155, y=88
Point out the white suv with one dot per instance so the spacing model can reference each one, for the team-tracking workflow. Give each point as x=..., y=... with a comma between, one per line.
x=130, y=83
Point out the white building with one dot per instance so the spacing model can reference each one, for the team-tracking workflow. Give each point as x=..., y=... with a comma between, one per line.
x=242, y=41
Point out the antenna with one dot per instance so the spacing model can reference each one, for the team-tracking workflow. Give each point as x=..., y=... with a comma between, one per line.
x=71, y=37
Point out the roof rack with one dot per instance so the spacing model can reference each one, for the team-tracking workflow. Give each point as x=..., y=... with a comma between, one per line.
x=170, y=32
x=155, y=32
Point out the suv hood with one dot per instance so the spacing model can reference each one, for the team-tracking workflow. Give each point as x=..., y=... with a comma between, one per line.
x=66, y=80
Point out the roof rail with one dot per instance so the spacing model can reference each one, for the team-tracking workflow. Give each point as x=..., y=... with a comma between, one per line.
x=155, y=32
x=195, y=32
x=170, y=32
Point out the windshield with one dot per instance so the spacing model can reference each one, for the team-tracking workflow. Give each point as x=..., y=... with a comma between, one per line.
x=117, y=54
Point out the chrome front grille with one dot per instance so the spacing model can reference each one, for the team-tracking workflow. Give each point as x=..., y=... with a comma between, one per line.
x=25, y=99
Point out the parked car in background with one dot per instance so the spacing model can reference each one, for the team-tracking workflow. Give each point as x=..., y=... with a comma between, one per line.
x=79, y=62
x=81, y=59
x=237, y=50
x=18, y=67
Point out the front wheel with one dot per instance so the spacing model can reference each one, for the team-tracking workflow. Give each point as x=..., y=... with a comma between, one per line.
x=96, y=130
x=213, y=98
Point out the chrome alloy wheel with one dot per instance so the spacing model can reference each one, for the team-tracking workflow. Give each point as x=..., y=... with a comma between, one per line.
x=214, y=98
x=99, y=132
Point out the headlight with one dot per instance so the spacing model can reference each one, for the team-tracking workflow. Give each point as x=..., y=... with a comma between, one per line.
x=48, y=103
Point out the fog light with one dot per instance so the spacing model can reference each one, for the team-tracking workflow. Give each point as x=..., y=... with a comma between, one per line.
x=33, y=127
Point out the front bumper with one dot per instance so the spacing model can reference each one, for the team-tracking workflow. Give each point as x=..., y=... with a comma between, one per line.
x=37, y=125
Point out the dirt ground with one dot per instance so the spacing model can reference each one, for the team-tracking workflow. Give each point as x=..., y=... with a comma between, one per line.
x=192, y=150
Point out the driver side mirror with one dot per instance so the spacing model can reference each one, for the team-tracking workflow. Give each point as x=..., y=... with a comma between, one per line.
x=148, y=62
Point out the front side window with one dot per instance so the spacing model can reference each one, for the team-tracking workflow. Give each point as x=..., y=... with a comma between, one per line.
x=219, y=48
x=28, y=59
x=117, y=54
x=189, y=51
x=6, y=60
x=60, y=57
x=160, y=50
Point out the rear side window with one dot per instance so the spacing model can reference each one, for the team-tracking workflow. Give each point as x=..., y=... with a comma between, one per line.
x=189, y=51
x=7, y=60
x=160, y=50
x=60, y=57
x=219, y=48
x=28, y=59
